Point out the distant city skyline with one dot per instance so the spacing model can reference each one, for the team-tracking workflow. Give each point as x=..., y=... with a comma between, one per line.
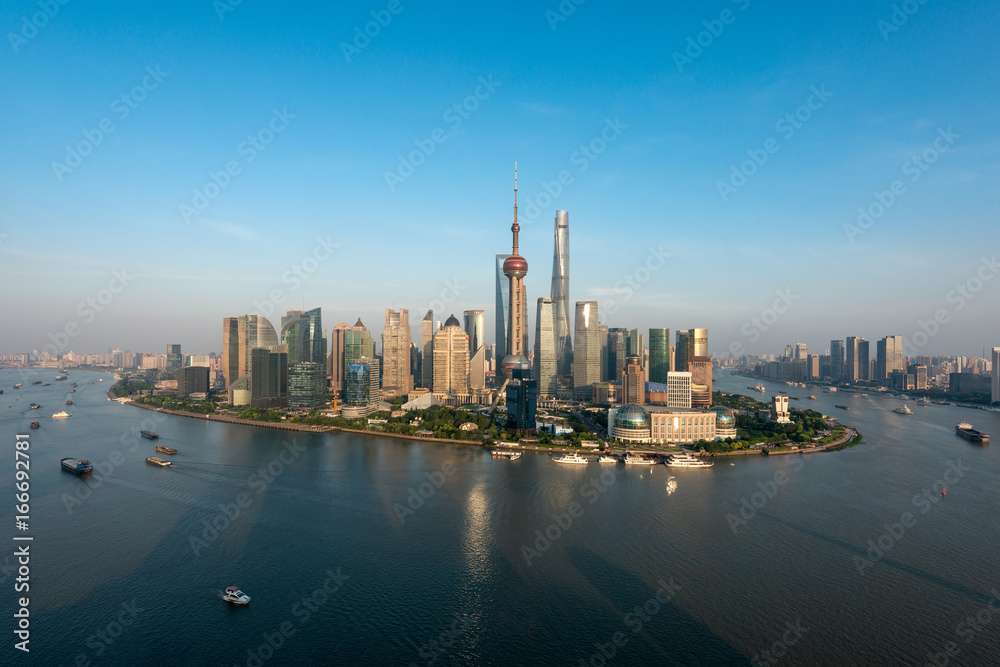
x=837, y=183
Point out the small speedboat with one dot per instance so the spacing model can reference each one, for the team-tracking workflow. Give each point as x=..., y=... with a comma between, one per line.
x=236, y=596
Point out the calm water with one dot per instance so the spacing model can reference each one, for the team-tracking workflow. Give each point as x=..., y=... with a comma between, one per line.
x=373, y=551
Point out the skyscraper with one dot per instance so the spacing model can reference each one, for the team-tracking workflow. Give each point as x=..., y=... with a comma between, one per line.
x=475, y=327
x=268, y=378
x=560, y=297
x=678, y=389
x=586, y=350
x=522, y=400
x=358, y=343
x=337, y=365
x=659, y=355
x=306, y=385
x=852, y=370
x=864, y=361
x=681, y=353
x=888, y=357
x=230, y=350
x=396, y=378
x=515, y=268
x=546, y=363
x=633, y=381
x=996, y=375
x=427, y=350
x=634, y=346
x=617, y=353
x=837, y=360
x=451, y=359
x=174, y=357
x=502, y=308
x=701, y=382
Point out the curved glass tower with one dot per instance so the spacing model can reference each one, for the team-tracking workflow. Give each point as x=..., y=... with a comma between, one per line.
x=560, y=296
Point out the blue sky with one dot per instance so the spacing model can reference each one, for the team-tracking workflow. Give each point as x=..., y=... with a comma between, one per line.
x=330, y=125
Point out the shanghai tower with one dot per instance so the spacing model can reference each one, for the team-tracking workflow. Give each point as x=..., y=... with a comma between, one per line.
x=560, y=296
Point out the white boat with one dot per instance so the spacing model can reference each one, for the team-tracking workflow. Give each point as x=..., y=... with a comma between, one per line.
x=761, y=388
x=236, y=596
x=61, y=415
x=685, y=460
x=605, y=458
x=903, y=410
x=632, y=459
x=511, y=456
x=570, y=458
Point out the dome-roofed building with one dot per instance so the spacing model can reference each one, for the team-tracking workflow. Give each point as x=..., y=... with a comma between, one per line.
x=630, y=423
x=725, y=423
x=453, y=322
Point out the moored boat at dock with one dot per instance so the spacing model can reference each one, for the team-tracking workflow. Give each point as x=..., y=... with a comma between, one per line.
x=572, y=457
x=685, y=460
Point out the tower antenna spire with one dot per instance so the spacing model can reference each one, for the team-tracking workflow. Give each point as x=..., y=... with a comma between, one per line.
x=515, y=227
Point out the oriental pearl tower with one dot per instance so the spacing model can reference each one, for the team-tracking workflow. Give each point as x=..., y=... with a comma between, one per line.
x=515, y=268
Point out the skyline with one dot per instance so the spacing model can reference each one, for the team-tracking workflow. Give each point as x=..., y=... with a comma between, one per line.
x=339, y=121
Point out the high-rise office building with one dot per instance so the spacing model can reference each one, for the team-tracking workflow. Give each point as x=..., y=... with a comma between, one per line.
x=801, y=353
x=604, y=332
x=681, y=353
x=268, y=378
x=337, y=366
x=306, y=385
x=837, y=360
x=995, y=397
x=586, y=350
x=852, y=368
x=546, y=363
x=451, y=359
x=633, y=381
x=701, y=382
x=192, y=380
x=678, y=389
x=864, y=361
x=174, y=358
x=362, y=392
x=888, y=357
x=477, y=369
x=396, y=377
x=475, y=327
x=502, y=307
x=560, y=297
x=697, y=344
x=522, y=400
x=659, y=355
x=427, y=350
x=358, y=343
x=617, y=353
x=302, y=332
x=634, y=346
x=230, y=350
x=515, y=268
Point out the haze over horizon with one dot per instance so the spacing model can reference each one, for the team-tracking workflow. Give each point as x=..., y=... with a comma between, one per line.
x=209, y=154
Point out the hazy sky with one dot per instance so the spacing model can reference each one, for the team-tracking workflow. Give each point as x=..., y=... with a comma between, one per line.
x=210, y=151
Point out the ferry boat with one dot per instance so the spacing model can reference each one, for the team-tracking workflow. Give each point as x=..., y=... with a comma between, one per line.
x=633, y=459
x=685, y=460
x=903, y=410
x=61, y=415
x=157, y=461
x=605, y=458
x=81, y=467
x=965, y=430
x=761, y=388
x=572, y=457
x=165, y=450
x=35, y=424
x=149, y=434
x=496, y=453
x=236, y=596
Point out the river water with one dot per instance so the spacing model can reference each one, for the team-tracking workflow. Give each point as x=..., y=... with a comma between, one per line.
x=364, y=550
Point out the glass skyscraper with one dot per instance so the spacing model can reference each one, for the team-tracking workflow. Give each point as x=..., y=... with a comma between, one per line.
x=659, y=355
x=586, y=350
x=545, y=348
x=502, y=307
x=560, y=296
x=306, y=385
